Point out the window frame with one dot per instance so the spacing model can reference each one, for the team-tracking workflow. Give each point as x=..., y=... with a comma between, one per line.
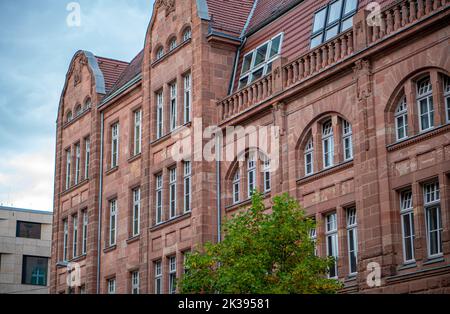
x=187, y=186
x=172, y=274
x=309, y=152
x=173, y=106
x=187, y=34
x=65, y=240
x=87, y=157
x=428, y=97
x=85, y=232
x=159, y=114
x=352, y=228
x=407, y=212
x=135, y=282
x=237, y=187
x=158, y=273
x=34, y=224
x=77, y=163
x=137, y=143
x=446, y=89
x=251, y=174
x=44, y=276
x=267, y=177
x=173, y=176
x=113, y=211
x=68, y=167
x=329, y=140
x=434, y=204
x=347, y=139
x=115, y=135
x=159, y=199
x=187, y=82
x=173, y=44
x=332, y=234
x=159, y=53
x=111, y=286
x=401, y=114
x=136, y=221
x=75, y=236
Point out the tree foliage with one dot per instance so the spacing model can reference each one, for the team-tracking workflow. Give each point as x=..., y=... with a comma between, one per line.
x=262, y=253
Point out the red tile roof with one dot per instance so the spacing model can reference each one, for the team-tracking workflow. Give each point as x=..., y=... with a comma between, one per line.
x=266, y=9
x=112, y=70
x=132, y=70
x=229, y=16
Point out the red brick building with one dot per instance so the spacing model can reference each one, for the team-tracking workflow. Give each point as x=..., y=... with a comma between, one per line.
x=360, y=102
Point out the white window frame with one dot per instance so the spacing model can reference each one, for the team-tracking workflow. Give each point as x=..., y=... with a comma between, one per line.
x=159, y=199
x=187, y=186
x=115, y=131
x=173, y=44
x=85, y=232
x=407, y=216
x=158, y=277
x=432, y=201
x=65, y=240
x=447, y=97
x=267, y=174
x=159, y=53
x=237, y=187
x=136, y=212
x=173, y=193
x=112, y=286
x=328, y=141
x=331, y=233
x=187, y=97
x=87, y=158
x=135, y=280
x=173, y=106
x=77, y=163
x=347, y=140
x=425, y=94
x=251, y=174
x=309, y=154
x=313, y=237
x=137, y=132
x=187, y=34
x=172, y=275
x=75, y=236
x=113, y=222
x=68, y=167
x=401, y=113
x=352, y=229
x=159, y=114
x=266, y=65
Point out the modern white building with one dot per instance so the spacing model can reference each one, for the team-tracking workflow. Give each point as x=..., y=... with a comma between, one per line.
x=25, y=250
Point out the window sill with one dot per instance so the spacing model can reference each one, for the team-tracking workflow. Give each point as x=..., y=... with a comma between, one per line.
x=167, y=55
x=134, y=158
x=73, y=188
x=418, y=138
x=134, y=239
x=325, y=172
x=168, y=135
x=111, y=171
x=434, y=260
x=245, y=203
x=407, y=266
x=78, y=258
x=170, y=222
x=110, y=249
x=69, y=123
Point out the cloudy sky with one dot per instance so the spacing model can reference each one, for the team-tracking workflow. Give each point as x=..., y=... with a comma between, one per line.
x=36, y=46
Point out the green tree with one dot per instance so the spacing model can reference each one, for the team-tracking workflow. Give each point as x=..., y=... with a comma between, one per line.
x=262, y=253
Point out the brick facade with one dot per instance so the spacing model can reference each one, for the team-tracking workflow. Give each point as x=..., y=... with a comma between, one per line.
x=352, y=83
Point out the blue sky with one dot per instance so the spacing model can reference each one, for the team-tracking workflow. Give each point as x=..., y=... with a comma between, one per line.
x=36, y=46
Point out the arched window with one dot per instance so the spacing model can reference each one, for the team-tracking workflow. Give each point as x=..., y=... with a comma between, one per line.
x=78, y=110
x=328, y=144
x=401, y=120
x=347, y=140
x=87, y=104
x=309, y=157
x=267, y=174
x=69, y=116
x=172, y=44
x=159, y=53
x=425, y=103
x=236, y=186
x=251, y=174
x=187, y=34
x=447, y=97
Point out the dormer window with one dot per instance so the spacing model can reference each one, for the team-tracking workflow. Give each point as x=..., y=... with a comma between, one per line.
x=187, y=34
x=172, y=44
x=159, y=53
x=332, y=20
x=258, y=62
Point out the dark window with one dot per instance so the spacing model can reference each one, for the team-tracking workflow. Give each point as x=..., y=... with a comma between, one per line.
x=28, y=230
x=34, y=271
x=333, y=19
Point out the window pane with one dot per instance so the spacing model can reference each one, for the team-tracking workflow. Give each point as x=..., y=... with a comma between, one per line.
x=257, y=74
x=319, y=20
x=261, y=54
x=247, y=62
x=350, y=6
x=28, y=230
x=332, y=32
x=34, y=271
x=316, y=41
x=334, y=13
x=275, y=49
x=347, y=24
x=243, y=82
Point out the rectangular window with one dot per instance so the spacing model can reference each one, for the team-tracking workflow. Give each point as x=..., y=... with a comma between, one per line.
x=309, y=158
x=401, y=120
x=87, y=158
x=77, y=163
x=447, y=97
x=187, y=98
x=187, y=186
x=251, y=175
x=135, y=282
x=352, y=239
x=115, y=145
x=407, y=221
x=75, y=237
x=258, y=62
x=68, y=168
x=313, y=236
x=332, y=20
x=332, y=242
x=173, y=192
x=328, y=144
x=136, y=211
x=34, y=271
x=137, y=132
x=65, y=240
x=267, y=175
x=159, y=114
x=172, y=275
x=112, y=286
x=433, y=219
x=347, y=139
x=236, y=187
x=159, y=211
x=85, y=232
x=425, y=103
x=158, y=277
x=173, y=106
x=112, y=222
x=28, y=230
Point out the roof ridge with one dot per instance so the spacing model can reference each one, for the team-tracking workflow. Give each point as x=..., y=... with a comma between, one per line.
x=111, y=59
